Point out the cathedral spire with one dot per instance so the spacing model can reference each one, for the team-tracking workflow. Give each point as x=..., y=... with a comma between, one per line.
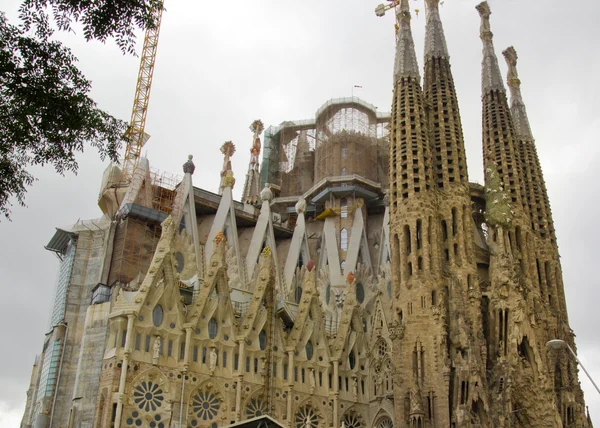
x=491, y=79
x=449, y=161
x=435, y=41
x=499, y=139
x=405, y=63
x=517, y=106
x=534, y=186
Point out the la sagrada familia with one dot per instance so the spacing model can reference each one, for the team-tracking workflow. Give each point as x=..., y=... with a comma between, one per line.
x=362, y=280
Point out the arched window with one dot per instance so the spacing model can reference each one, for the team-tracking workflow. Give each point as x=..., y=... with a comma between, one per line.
x=180, y=261
x=344, y=208
x=213, y=328
x=328, y=294
x=360, y=292
x=298, y=294
x=343, y=172
x=344, y=239
x=157, y=316
x=344, y=151
x=309, y=350
x=389, y=289
x=262, y=340
x=352, y=360
x=343, y=265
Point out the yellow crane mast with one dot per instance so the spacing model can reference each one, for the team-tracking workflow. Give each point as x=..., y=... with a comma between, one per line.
x=136, y=137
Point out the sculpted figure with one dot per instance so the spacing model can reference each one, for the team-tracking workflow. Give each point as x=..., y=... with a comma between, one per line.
x=212, y=360
x=156, y=350
x=311, y=380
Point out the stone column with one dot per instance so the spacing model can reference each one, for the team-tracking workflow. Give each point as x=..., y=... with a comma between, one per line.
x=290, y=386
x=124, y=365
x=240, y=378
x=336, y=394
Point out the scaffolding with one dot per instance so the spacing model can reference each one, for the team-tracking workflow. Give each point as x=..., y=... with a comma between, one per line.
x=296, y=165
x=134, y=246
x=164, y=190
x=138, y=233
x=347, y=137
x=346, y=140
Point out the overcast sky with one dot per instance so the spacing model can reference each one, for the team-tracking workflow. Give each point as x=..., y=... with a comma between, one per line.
x=221, y=65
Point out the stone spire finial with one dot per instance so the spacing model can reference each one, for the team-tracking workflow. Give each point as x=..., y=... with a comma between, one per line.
x=491, y=79
x=227, y=180
x=405, y=63
x=189, y=167
x=435, y=41
x=517, y=106
x=251, y=191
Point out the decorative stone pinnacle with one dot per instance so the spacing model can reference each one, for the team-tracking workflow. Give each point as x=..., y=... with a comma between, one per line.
x=484, y=12
x=257, y=126
x=228, y=148
x=510, y=55
x=491, y=78
x=189, y=167
x=229, y=180
x=266, y=252
x=220, y=237
x=405, y=63
x=350, y=278
x=300, y=205
x=435, y=41
x=519, y=113
x=266, y=194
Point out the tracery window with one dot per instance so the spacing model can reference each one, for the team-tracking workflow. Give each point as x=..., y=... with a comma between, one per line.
x=148, y=396
x=306, y=418
x=204, y=406
x=385, y=423
x=256, y=407
x=352, y=420
x=382, y=348
x=147, y=408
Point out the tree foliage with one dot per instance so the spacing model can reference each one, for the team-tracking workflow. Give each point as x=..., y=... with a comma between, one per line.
x=46, y=115
x=101, y=19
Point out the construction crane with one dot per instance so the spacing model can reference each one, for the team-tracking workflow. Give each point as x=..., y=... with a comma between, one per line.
x=136, y=137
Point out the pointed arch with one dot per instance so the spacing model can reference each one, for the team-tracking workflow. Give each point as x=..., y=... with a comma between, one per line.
x=383, y=419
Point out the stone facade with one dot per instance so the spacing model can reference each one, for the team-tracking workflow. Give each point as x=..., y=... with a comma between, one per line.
x=362, y=282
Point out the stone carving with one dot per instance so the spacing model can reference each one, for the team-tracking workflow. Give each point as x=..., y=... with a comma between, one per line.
x=484, y=12
x=189, y=167
x=311, y=381
x=212, y=360
x=156, y=350
x=416, y=405
x=300, y=205
x=266, y=194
